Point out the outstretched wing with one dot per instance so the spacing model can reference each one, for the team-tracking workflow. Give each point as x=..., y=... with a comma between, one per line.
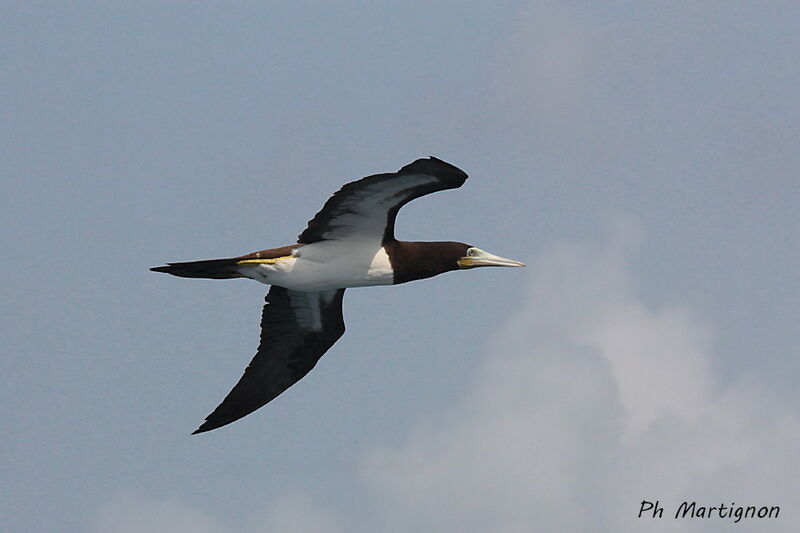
x=297, y=328
x=367, y=208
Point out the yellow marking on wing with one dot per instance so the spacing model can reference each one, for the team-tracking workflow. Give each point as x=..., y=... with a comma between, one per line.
x=262, y=261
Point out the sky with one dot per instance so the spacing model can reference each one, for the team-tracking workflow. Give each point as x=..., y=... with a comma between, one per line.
x=641, y=157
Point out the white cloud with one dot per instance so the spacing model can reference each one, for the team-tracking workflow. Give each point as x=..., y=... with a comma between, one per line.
x=133, y=513
x=587, y=402
x=293, y=512
x=544, y=66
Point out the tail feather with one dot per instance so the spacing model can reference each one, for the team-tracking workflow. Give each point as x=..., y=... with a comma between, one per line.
x=211, y=268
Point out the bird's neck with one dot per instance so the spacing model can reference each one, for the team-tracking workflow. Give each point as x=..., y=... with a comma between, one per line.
x=420, y=260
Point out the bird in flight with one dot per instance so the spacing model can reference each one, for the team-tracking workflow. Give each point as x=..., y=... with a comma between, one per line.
x=349, y=243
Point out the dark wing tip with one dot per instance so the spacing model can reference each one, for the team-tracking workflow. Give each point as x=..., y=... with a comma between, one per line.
x=205, y=426
x=433, y=166
x=214, y=422
x=160, y=269
x=221, y=416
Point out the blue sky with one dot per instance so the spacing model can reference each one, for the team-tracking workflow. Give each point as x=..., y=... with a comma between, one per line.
x=640, y=156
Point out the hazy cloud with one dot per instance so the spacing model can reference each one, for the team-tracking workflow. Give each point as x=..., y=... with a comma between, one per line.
x=133, y=513
x=293, y=512
x=588, y=402
x=545, y=64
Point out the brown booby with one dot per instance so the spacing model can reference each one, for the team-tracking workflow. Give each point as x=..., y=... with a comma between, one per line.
x=349, y=243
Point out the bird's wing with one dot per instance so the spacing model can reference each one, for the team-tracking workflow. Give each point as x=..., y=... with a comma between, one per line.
x=297, y=328
x=366, y=209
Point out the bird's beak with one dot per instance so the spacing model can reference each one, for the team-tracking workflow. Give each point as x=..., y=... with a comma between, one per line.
x=479, y=258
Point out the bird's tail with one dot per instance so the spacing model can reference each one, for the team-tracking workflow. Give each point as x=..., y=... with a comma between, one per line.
x=211, y=268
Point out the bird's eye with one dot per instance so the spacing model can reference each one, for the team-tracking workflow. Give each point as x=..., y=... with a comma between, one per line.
x=472, y=252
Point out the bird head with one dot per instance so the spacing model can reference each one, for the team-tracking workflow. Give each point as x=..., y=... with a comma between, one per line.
x=474, y=257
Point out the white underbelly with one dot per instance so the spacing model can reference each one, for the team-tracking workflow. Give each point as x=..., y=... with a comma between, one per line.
x=314, y=270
